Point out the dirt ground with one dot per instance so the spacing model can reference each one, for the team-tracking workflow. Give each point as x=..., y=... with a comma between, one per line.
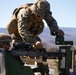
x=53, y=65
x=51, y=62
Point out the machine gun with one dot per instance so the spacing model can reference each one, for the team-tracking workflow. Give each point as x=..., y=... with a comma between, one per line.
x=64, y=55
x=26, y=49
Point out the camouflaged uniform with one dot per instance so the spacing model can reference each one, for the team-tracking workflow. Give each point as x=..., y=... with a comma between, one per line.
x=30, y=24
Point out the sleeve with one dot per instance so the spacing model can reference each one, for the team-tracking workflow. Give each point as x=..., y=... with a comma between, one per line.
x=51, y=22
x=23, y=27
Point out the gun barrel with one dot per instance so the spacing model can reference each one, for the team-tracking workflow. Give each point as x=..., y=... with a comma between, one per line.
x=48, y=55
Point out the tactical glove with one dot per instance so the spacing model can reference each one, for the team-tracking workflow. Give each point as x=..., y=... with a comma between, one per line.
x=38, y=45
x=57, y=32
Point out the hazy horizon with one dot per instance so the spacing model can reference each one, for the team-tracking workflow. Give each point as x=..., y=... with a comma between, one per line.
x=49, y=40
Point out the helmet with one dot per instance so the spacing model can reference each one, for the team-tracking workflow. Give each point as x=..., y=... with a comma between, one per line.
x=40, y=7
x=4, y=38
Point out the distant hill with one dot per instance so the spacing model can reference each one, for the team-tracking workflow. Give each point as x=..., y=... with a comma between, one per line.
x=3, y=30
x=49, y=40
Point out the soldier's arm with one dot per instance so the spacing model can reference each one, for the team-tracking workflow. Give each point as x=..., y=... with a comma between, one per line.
x=51, y=22
x=23, y=27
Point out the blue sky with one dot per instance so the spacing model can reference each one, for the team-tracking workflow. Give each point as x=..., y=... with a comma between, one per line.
x=64, y=11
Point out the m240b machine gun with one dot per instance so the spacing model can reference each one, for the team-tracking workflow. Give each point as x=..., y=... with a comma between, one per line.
x=26, y=49
x=64, y=55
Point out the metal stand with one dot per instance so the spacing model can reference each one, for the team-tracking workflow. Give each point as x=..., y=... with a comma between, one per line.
x=65, y=62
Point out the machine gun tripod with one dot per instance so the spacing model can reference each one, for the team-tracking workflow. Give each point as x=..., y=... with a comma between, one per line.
x=66, y=63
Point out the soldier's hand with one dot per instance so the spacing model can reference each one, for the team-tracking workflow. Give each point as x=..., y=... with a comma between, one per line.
x=38, y=45
x=58, y=32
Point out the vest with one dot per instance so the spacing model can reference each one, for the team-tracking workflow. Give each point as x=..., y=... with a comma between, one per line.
x=12, y=25
x=35, y=26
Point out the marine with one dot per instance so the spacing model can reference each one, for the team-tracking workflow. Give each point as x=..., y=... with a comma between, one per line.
x=29, y=21
x=5, y=40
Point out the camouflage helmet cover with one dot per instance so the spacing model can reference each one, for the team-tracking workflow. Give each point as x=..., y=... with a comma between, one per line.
x=5, y=37
x=40, y=7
